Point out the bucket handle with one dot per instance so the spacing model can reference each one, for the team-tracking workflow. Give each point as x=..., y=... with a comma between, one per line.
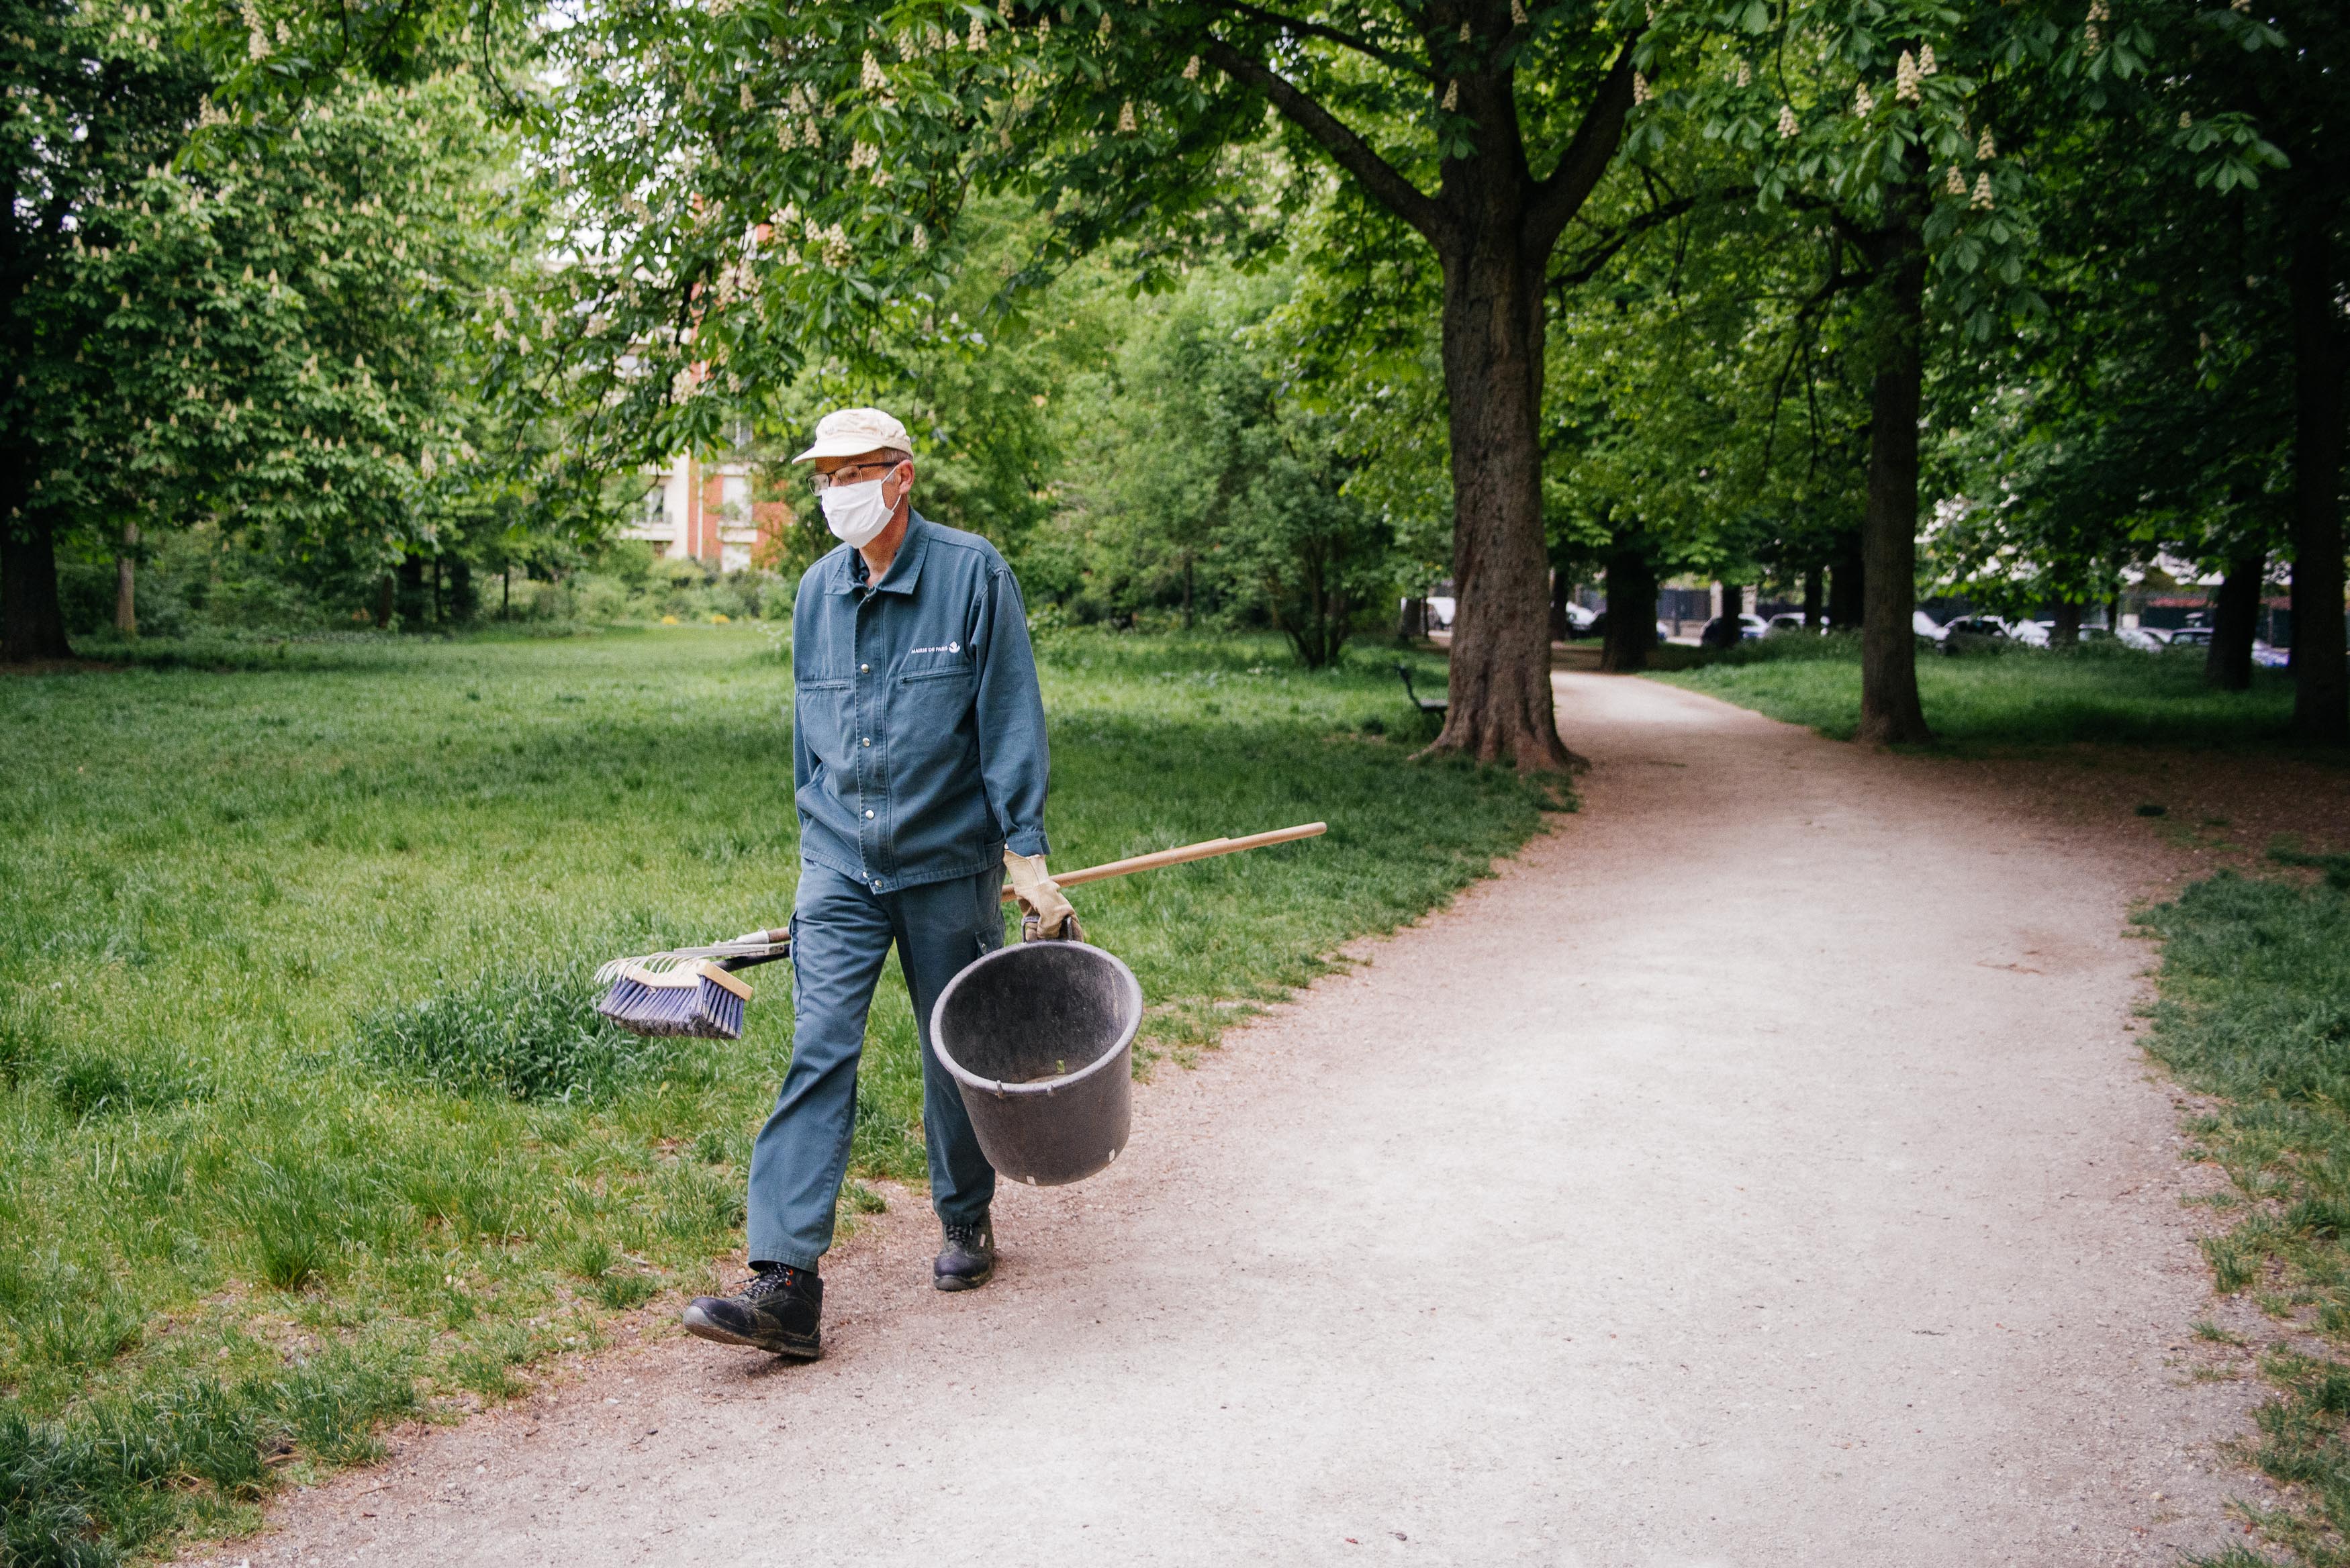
x=1071, y=930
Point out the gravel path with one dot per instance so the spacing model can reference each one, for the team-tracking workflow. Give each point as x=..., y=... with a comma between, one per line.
x=1759, y=1170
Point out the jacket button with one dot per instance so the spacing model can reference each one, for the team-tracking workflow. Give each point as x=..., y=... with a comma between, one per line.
x=864, y=670
x=869, y=812
x=868, y=740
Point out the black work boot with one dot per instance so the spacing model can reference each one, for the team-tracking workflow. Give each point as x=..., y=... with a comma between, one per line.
x=781, y=1308
x=968, y=1259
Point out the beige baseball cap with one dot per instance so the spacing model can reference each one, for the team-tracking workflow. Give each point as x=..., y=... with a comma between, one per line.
x=851, y=432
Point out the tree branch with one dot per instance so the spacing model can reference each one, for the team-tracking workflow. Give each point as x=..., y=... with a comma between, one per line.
x=1558, y=199
x=1339, y=36
x=1353, y=154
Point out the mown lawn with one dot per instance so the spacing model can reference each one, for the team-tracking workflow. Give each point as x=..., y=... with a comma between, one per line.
x=2018, y=696
x=304, y=1120
x=2255, y=1011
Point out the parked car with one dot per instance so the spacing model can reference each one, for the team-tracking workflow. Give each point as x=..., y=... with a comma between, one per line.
x=1750, y=627
x=1982, y=626
x=2032, y=633
x=1786, y=620
x=1579, y=621
x=2145, y=638
x=1926, y=626
x=2267, y=657
x=1599, y=628
x=2191, y=637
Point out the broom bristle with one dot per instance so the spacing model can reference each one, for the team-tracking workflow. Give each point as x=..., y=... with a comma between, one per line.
x=702, y=1002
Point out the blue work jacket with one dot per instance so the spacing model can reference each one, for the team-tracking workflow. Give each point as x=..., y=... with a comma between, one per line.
x=918, y=732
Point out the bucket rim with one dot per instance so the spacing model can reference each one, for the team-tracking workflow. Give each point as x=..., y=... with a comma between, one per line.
x=1041, y=1087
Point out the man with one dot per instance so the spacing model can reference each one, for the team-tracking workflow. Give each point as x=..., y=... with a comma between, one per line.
x=919, y=763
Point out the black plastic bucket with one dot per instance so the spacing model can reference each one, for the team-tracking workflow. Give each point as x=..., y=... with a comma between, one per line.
x=1040, y=1037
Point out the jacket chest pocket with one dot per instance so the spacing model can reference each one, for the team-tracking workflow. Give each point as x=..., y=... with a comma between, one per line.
x=826, y=711
x=929, y=704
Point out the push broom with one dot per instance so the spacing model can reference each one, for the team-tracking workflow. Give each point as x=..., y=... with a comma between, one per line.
x=696, y=992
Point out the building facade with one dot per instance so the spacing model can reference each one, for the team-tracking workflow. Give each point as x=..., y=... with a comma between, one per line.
x=698, y=510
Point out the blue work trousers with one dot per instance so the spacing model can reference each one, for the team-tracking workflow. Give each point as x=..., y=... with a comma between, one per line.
x=841, y=934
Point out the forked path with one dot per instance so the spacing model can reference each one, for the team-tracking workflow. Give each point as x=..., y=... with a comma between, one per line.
x=1757, y=1171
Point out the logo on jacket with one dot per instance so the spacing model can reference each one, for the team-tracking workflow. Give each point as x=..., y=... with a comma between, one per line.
x=948, y=647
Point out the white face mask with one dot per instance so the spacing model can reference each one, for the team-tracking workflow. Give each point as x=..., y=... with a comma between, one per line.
x=856, y=512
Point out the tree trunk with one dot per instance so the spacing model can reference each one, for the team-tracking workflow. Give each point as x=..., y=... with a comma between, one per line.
x=464, y=602
x=1728, y=630
x=1812, y=611
x=412, y=596
x=32, y=625
x=1502, y=706
x=1890, y=709
x=2228, y=662
x=1558, y=626
x=506, y=591
x=2320, y=682
x=2067, y=632
x=384, y=590
x=126, y=583
x=1631, y=613
x=1847, y=584
x=1413, y=624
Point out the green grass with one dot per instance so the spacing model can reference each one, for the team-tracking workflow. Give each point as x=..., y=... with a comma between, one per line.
x=2255, y=1009
x=2002, y=697
x=303, y=1123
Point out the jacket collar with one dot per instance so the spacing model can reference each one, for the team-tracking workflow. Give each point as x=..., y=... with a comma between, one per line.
x=904, y=571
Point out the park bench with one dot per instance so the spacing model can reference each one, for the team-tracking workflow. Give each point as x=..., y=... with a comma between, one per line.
x=1433, y=707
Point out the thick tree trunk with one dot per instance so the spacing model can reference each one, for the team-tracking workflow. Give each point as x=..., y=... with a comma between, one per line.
x=1631, y=613
x=412, y=599
x=1502, y=707
x=1890, y=709
x=126, y=583
x=1726, y=630
x=2228, y=662
x=2320, y=682
x=2067, y=632
x=32, y=624
x=464, y=602
x=384, y=590
x=1847, y=584
x=1558, y=626
x=1812, y=609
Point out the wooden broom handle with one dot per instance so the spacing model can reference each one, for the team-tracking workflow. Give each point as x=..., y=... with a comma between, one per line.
x=1206, y=850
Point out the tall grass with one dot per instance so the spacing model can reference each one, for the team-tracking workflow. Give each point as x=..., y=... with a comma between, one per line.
x=2005, y=696
x=304, y=1118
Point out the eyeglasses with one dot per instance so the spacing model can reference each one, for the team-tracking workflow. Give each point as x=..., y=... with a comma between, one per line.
x=824, y=481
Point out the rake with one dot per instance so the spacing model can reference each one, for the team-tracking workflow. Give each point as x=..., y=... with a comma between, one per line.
x=694, y=992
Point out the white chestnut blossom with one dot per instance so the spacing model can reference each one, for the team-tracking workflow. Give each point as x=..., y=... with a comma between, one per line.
x=1788, y=129
x=1981, y=201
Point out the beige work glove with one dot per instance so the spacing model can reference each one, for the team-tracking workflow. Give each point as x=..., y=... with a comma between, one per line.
x=1039, y=895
